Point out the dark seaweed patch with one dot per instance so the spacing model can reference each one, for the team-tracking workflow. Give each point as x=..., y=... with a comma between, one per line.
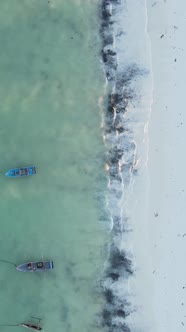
x=121, y=327
x=64, y=313
x=113, y=276
x=121, y=313
x=118, y=260
x=119, y=266
x=106, y=318
x=115, y=155
x=113, y=315
x=109, y=296
x=109, y=59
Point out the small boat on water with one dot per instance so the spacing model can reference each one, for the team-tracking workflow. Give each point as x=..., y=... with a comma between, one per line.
x=35, y=266
x=31, y=326
x=19, y=172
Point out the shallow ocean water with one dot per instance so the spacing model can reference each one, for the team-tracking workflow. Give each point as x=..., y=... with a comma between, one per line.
x=50, y=85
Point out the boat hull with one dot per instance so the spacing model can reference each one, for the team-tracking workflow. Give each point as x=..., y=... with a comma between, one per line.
x=36, y=266
x=31, y=327
x=20, y=172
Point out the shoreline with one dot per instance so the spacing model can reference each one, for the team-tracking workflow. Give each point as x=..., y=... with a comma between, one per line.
x=144, y=139
x=126, y=118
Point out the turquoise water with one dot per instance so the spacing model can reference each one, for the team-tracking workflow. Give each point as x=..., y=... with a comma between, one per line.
x=50, y=82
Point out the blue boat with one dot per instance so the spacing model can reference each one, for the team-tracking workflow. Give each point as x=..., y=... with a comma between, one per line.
x=19, y=172
x=35, y=266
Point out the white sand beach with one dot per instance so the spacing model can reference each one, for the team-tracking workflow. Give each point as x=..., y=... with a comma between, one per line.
x=167, y=135
x=156, y=204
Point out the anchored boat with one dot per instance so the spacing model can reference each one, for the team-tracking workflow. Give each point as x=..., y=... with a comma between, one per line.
x=31, y=326
x=19, y=172
x=35, y=266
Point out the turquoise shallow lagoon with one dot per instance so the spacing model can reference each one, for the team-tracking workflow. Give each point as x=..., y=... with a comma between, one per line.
x=50, y=82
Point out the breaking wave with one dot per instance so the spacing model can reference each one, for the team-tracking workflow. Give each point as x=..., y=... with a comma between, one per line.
x=126, y=107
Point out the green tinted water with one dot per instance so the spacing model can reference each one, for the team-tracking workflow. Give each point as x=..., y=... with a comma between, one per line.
x=50, y=82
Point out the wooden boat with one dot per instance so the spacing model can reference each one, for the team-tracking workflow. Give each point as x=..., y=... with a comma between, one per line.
x=31, y=326
x=19, y=172
x=35, y=266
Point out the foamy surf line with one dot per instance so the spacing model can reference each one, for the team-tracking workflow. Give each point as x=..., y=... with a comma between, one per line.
x=126, y=62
